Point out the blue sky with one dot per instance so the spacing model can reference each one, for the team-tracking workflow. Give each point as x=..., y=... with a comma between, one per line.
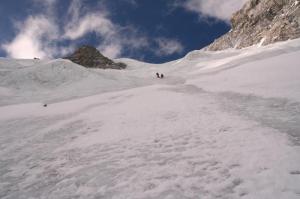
x=150, y=30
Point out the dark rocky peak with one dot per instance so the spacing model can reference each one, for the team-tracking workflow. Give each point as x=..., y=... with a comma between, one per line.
x=90, y=57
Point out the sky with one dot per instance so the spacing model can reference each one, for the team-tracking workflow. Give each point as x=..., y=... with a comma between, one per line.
x=153, y=31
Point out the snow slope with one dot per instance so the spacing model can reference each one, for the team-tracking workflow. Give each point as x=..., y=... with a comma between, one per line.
x=220, y=125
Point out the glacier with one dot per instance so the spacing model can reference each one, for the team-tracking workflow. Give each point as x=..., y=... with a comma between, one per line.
x=220, y=124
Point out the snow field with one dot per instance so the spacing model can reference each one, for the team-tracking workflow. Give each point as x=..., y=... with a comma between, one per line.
x=220, y=125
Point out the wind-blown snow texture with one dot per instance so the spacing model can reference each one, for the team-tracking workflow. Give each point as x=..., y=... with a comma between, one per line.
x=220, y=125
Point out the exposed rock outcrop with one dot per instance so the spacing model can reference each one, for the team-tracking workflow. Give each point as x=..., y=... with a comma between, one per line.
x=90, y=57
x=261, y=22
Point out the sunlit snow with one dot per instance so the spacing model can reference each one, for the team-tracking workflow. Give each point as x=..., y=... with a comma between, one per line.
x=219, y=125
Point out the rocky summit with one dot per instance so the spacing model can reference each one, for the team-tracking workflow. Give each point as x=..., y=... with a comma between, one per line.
x=261, y=22
x=90, y=57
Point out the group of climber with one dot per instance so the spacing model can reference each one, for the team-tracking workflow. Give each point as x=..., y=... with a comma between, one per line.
x=160, y=76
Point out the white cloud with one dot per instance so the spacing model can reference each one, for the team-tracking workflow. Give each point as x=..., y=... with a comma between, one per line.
x=61, y=51
x=84, y=21
x=47, y=6
x=114, y=47
x=130, y=37
x=97, y=23
x=168, y=46
x=33, y=39
x=114, y=38
x=40, y=35
x=74, y=11
x=111, y=50
x=220, y=9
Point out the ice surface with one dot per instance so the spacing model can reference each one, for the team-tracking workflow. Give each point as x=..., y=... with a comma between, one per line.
x=220, y=125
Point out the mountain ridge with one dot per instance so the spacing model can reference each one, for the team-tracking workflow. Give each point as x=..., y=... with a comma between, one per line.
x=261, y=22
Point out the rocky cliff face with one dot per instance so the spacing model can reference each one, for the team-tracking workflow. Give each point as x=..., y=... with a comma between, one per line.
x=261, y=22
x=90, y=57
